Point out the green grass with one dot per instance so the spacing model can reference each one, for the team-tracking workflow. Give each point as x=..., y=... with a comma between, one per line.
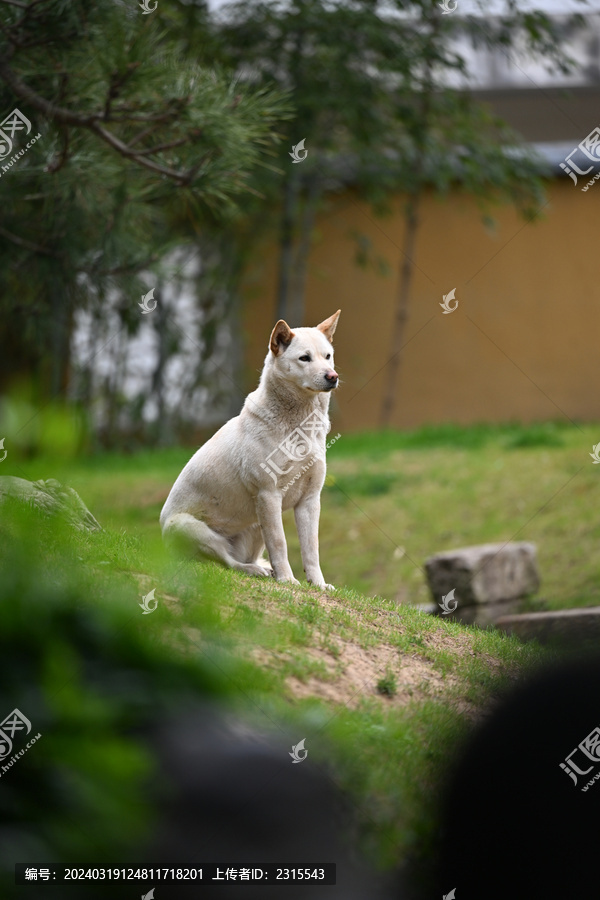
x=393, y=498
x=383, y=693
x=388, y=686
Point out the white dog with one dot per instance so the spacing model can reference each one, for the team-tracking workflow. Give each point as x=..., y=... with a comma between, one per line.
x=228, y=501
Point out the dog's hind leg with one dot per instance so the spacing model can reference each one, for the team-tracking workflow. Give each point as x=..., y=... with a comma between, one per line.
x=248, y=547
x=193, y=537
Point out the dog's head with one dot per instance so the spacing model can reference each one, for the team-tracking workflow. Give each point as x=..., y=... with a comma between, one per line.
x=305, y=356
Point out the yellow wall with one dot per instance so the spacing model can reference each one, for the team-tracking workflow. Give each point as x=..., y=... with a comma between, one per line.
x=522, y=345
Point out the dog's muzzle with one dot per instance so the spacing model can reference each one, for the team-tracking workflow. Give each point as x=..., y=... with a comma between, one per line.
x=331, y=379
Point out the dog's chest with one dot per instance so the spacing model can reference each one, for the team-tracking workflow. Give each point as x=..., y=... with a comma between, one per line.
x=302, y=478
x=297, y=449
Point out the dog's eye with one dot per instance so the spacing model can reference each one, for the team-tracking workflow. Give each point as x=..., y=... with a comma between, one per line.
x=305, y=358
x=328, y=356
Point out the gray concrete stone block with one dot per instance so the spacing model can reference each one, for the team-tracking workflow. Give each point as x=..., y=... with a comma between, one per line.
x=484, y=574
x=484, y=614
x=565, y=625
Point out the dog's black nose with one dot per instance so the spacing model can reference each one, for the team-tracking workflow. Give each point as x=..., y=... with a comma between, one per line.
x=331, y=376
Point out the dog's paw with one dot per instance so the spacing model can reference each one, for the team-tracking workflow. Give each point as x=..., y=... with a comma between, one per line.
x=291, y=580
x=254, y=569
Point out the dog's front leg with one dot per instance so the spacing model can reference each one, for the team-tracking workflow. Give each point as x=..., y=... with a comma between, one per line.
x=307, y=514
x=269, y=511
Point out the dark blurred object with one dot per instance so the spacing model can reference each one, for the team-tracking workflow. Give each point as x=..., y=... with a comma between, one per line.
x=515, y=824
x=232, y=796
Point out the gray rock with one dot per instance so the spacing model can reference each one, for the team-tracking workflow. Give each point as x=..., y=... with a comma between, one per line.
x=50, y=498
x=565, y=625
x=483, y=614
x=485, y=574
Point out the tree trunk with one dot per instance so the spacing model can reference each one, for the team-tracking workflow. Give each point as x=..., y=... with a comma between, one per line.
x=61, y=339
x=401, y=314
x=410, y=239
x=296, y=305
x=114, y=383
x=162, y=430
x=286, y=244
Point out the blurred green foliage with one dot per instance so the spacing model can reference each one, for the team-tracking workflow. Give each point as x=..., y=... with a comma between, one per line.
x=55, y=429
x=91, y=674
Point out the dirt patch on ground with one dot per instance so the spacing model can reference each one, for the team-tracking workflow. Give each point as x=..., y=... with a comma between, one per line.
x=356, y=671
x=352, y=671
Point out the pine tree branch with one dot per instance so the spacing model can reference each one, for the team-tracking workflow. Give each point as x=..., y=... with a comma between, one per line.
x=134, y=117
x=122, y=269
x=124, y=150
x=143, y=134
x=91, y=123
x=28, y=7
x=160, y=147
x=23, y=242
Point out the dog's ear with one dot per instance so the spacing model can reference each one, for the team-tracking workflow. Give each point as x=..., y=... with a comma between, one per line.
x=281, y=337
x=329, y=325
